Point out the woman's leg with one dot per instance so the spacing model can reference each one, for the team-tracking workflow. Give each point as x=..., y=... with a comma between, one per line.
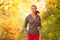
x=36, y=37
x=30, y=37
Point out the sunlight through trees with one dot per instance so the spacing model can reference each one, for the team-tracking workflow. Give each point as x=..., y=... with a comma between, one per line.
x=13, y=13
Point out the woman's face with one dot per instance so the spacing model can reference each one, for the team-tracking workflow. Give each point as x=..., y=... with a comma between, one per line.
x=33, y=9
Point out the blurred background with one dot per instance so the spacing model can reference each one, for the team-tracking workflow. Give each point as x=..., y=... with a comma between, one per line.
x=13, y=13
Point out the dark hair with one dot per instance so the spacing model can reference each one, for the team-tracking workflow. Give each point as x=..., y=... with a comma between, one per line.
x=37, y=12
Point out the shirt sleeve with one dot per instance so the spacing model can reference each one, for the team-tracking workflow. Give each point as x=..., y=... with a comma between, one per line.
x=25, y=24
x=40, y=25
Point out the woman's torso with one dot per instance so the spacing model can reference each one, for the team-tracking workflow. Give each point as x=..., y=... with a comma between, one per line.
x=33, y=24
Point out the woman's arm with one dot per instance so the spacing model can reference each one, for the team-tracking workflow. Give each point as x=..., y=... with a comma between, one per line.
x=25, y=24
x=40, y=25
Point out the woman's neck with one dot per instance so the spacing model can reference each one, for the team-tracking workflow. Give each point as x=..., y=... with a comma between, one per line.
x=33, y=13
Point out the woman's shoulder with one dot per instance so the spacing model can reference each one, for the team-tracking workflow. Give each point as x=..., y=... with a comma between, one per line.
x=38, y=15
x=28, y=16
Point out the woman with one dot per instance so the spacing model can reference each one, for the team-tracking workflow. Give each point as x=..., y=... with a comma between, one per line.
x=34, y=22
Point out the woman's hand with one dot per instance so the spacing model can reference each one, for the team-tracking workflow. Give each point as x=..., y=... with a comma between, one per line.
x=25, y=32
x=38, y=28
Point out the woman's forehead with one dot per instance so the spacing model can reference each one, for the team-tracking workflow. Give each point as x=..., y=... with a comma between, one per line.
x=33, y=6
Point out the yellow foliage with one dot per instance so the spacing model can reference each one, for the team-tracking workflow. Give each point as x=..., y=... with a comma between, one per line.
x=52, y=0
x=9, y=21
x=13, y=15
x=50, y=4
x=1, y=1
x=13, y=33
